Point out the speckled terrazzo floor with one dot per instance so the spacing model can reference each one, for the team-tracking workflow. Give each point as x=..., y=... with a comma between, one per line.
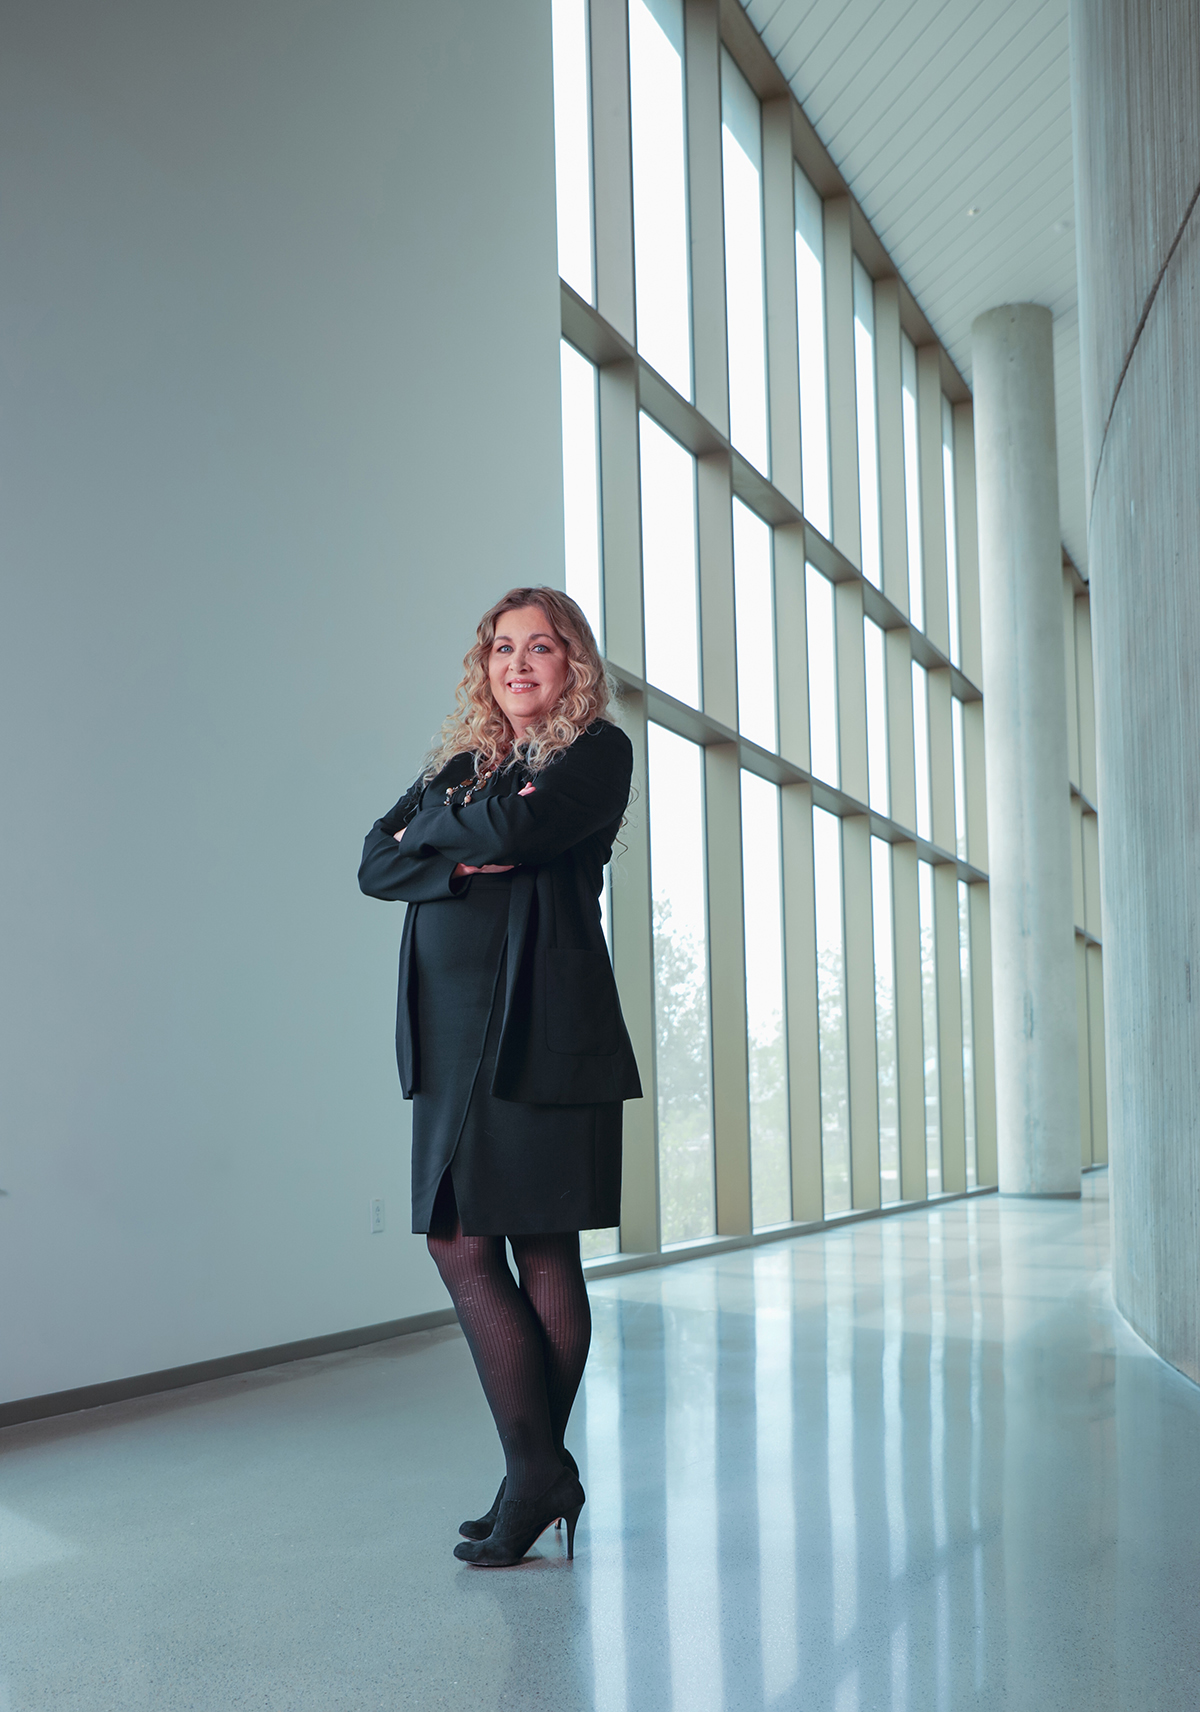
x=916, y=1463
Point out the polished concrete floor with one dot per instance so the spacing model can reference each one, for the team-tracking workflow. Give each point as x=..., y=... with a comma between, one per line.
x=914, y=1463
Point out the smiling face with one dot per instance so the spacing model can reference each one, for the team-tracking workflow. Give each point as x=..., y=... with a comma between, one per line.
x=527, y=667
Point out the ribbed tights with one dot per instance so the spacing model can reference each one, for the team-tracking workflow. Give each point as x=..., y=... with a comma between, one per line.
x=530, y=1339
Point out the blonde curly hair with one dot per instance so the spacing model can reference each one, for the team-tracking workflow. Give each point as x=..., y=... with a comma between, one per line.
x=477, y=726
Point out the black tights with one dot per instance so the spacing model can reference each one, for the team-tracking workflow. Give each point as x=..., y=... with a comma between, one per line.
x=529, y=1340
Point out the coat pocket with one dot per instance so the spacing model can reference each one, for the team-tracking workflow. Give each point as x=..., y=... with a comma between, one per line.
x=582, y=1014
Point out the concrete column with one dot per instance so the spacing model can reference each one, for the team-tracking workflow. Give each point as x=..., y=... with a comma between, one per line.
x=1025, y=734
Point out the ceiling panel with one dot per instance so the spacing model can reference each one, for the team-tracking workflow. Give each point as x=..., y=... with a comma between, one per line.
x=931, y=108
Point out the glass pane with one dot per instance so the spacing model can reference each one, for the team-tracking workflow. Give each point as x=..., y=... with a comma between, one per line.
x=669, y=564
x=822, y=677
x=868, y=447
x=581, y=485
x=885, y=1021
x=681, y=1014
x=755, y=627
x=912, y=481
x=573, y=146
x=594, y=1244
x=741, y=162
x=660, y=219
x=968, y=1028
x=920, y=696
x=810, y=326
x=831, y=1012
x=877, y=734
x=960, y=779
x=929, y=1029
x=951, y=531
x=770, y=1152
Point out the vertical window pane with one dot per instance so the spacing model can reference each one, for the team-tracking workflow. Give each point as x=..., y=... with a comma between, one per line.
x=770, y=1153
x=669, y=564
x=877, y=736
x=912, y=481
x=810, y=326
x=968, y=1028
x=581, y=485
x=741, y=162
x=595, y=1243
x=929, y=1029
x=951, y=531
x=681, y=1013
x=960, y=780
x=885, y=1021
x=573, y=146
x=660, y=218
x=831, y=1012
x=822, y=677
x=868, y=448
x=920, y=692
x=755, y=627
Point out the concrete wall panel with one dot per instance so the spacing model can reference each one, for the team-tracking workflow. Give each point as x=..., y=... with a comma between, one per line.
x=1135, y=71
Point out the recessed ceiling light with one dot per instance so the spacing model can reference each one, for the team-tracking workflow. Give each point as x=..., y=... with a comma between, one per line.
x=971, y=212
x=1061, y=226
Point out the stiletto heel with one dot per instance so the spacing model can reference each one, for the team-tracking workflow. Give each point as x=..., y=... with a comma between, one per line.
x=521, y=1520
x=572, y=1518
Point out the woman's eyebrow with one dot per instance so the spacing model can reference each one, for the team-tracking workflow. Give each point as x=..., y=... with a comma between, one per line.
x=535, y=636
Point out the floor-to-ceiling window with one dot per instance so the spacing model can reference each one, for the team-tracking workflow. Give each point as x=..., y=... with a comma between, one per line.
x=764, y=459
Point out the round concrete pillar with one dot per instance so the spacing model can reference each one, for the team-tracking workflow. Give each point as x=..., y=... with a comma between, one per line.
x=1025, y=735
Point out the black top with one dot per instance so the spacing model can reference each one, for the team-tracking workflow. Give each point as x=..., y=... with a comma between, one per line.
x=562, y=1038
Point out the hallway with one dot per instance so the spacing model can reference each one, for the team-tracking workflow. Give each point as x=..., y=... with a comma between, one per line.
x=916, y=1462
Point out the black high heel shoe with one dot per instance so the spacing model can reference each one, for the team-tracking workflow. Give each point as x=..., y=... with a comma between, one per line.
x=521, y=1520
x=482, y=1526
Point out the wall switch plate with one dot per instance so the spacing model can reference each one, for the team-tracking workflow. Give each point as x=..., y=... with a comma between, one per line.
x=376, y=1217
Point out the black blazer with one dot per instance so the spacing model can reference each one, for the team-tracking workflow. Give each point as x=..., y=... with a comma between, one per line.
x=562, y=1038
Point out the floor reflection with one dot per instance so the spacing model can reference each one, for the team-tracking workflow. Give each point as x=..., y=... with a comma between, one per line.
x=891, y=1471
x=915, y=1463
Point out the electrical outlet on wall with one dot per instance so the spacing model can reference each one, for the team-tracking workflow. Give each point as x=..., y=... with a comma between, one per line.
x=376, y=1216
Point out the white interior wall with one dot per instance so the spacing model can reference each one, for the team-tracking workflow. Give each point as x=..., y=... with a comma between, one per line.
x=279, y=417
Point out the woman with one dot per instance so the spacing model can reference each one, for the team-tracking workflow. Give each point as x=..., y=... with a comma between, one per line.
x=509, y=1034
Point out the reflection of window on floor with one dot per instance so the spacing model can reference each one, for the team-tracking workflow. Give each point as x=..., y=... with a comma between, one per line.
x=681, y=1011
x=929, y=1029
x=885, y=1021
x=968, y=1028
x=831, y=1012
x=770, y=1159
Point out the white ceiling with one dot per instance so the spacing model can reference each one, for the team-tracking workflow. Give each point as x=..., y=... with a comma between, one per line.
x=932, y=108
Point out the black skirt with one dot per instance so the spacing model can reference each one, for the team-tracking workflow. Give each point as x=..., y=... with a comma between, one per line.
x=495, y=1150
